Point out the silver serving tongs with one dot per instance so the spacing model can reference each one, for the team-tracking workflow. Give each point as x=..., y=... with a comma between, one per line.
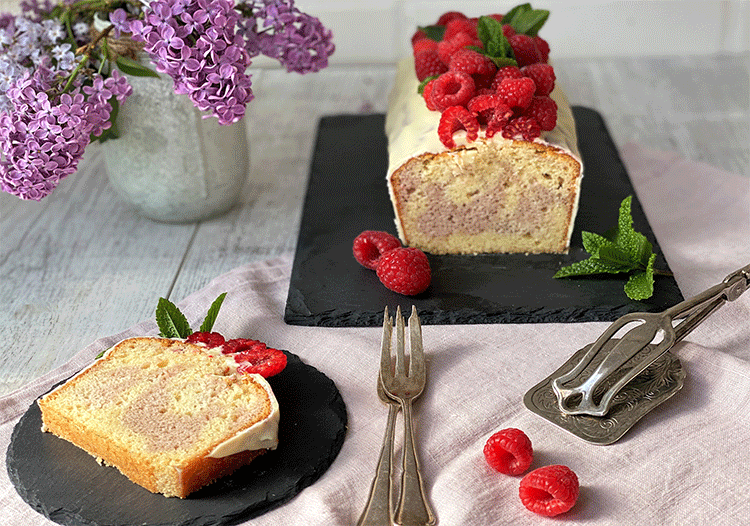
x=651, y=337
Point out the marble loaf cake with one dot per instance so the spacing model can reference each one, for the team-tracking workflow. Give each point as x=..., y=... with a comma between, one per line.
x=170, y=415
x=469, y=172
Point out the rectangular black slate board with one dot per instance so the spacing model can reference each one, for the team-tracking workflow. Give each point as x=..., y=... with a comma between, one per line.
x=347, y=194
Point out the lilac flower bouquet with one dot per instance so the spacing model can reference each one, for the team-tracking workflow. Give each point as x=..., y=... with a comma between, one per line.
x=60, y=64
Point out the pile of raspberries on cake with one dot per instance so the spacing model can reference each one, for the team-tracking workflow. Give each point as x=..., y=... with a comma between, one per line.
x=473, y=93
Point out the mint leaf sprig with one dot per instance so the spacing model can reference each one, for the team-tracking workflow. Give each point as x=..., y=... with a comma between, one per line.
x=173, y=323
x=620, y=250
x=494, y=44
x=524, y=19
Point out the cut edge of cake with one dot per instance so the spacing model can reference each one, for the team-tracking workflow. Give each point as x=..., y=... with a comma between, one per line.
x=178, y=437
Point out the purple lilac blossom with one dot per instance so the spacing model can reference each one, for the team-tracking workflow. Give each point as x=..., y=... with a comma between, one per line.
x=25, y=45
x=297, y=40
x=205, y=46
x=42, y=139
x=196, y=43
x=119, y=20
x=6, y=20
x=81, y=32
x=36, y=9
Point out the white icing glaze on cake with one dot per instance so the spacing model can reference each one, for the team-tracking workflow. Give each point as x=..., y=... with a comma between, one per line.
x=411, y=129
x=261, y=435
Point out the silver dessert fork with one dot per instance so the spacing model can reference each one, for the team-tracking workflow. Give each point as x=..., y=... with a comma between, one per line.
x=379, y=507
x=412, y=509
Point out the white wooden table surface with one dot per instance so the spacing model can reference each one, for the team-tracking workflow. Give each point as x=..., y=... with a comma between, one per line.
x=80, y=265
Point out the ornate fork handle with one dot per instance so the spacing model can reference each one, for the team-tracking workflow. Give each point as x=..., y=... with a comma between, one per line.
x=379, y=504
x=413, y=508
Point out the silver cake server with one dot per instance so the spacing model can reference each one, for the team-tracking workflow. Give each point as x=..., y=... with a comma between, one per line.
x=607, y=386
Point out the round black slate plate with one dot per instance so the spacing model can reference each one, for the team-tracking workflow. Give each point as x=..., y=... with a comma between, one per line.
x=65, y=484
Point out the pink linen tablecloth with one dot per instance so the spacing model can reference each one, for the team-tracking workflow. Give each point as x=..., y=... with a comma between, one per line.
x=684, y=463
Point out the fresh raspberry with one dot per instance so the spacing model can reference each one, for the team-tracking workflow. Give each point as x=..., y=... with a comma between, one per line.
x=483, y=106
x=509, y=451
x=241, y=344
x=447, y=17
x=253, y=356
x=517, y=93
x=522, y=127
x=524, y=49
x=210, y=339
x=427, y=63
x=370, y=245
x=425, y=44
x=417, y=36
x=453, y=88
x=506, y=72
x=405, y=270
x=447, y=47
x=544, y=111
x=454, y=119
x=490, y=111
x=543, y=48
x=508, y=30
x=460, y=25
x=550, y=490
x=480, y=67
x=427, y=94
x=543, y=76
x=488, y=101
x=497, y=17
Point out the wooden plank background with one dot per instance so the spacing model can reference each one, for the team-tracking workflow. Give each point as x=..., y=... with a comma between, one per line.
x=80, y=265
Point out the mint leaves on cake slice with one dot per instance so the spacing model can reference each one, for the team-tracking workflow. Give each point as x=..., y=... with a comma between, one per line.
x=173, y=323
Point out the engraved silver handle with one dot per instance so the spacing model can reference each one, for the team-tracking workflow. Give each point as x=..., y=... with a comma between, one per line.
x=413, y=509
x=379, y=506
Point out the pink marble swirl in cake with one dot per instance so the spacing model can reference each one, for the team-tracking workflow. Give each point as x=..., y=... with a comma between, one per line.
x=491, y=195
